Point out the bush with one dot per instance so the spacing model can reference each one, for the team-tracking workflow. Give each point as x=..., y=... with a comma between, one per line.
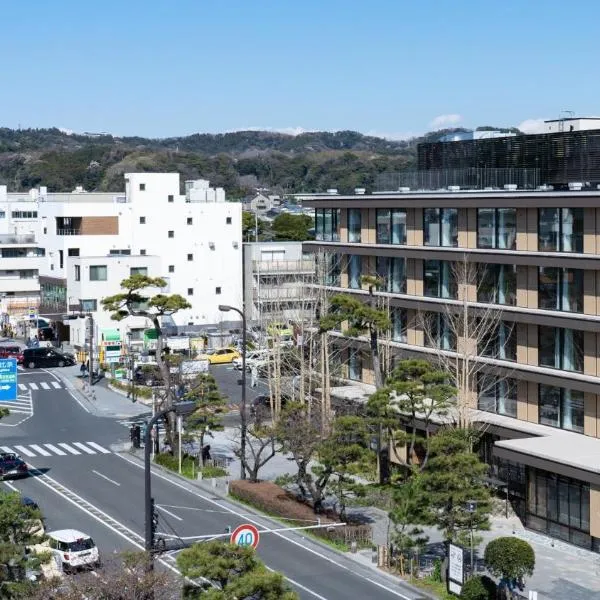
x=273, y=500
x=509, y=557
x=479, y=588
x=140, y=391
x=189, y=468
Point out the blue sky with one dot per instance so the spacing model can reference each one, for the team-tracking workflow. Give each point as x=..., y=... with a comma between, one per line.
x=386, y=67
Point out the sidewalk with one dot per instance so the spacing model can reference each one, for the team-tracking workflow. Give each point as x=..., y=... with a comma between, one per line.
x=562, y=572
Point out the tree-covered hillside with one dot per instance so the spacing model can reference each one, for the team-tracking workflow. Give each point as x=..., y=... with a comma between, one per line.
x=239, y=161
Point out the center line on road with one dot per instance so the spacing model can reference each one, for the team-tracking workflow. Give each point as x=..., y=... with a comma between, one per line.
x=40, y=450
x=168, y=512
x=107, y=478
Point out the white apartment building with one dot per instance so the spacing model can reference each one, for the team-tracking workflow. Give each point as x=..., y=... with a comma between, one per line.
x=91, y=241
x=276, y=282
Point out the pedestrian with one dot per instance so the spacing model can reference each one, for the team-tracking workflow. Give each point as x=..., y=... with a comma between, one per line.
x=82, y=369
x=254, y=376
x=205, y=453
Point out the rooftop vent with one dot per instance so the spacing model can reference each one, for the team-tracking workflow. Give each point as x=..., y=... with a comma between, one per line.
x=454, y=188
x=332, y=191
x=575, y=186
x=404, y=189
x=545, y=188
x=510, y=187
x=359, y=191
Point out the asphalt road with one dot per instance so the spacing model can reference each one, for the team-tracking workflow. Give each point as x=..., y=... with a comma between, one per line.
x=91, y=488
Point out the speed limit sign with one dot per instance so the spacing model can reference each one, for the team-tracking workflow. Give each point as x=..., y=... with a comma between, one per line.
x=245, y=535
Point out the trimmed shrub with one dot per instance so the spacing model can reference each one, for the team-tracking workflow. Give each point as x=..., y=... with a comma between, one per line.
x=271, y=499
x=479, y=588
x=509, y=557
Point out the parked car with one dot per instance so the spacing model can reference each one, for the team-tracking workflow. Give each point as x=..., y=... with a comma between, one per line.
x=12, y=465
x=251, y=357
x=221, y=356
x=12, y=352
x=73, y=549
x=46, y=357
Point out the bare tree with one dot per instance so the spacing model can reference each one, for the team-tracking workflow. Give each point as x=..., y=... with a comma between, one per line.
x=467, y=332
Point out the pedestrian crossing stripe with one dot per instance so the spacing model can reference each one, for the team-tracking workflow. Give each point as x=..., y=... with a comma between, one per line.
x=57, y=449
x=44, y=385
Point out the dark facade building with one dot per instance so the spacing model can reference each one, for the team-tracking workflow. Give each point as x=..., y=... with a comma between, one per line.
x=560, y=158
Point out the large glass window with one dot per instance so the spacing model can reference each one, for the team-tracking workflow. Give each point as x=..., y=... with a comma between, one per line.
x=439, y=333
x=498, y=341
x=355, y=365
x=327, y=224
x=391, y=226
x=561, y=348
x=399, y=319
x=439, y=280
x=497, y=395
x=354, y=225
x=440, y=226
x=560, y=289
x=391, y=272
x=561, y=407
x=559, y=506
x=497, y=284
x=354, y=271
x=98, y=273
x=330, y=267
x=497, y=228
x=560, y=229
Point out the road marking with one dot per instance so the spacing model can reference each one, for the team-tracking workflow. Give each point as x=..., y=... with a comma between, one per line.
x=254, y=521
x=6, y=449
x=83, y=447
x=107, y=478
x=168, y=512
x=22, y=387
x=33, y=386
x=10, y=486
x=68, y=448
x=45, y=385
x=55, y=385
x=87, y=410
x=24, y=451
x=40, y=450
x=98, y=447
x=55, y=449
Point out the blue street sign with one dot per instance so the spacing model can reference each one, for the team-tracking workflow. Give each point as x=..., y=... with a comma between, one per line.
x=8, y=379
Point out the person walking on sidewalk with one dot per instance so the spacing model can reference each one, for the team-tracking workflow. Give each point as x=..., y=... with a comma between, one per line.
x=83, y=369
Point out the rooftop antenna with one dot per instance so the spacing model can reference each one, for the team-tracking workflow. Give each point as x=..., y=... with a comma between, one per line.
x=568, y=114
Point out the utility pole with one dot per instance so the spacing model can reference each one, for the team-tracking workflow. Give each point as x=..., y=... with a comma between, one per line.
x=91, y=348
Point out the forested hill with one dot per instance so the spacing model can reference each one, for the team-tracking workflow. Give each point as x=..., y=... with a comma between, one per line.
x=238, y=161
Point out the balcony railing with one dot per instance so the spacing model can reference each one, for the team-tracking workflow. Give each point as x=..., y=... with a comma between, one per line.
x=68, y=232
x=284, y=266
x=7, y=238
x=281, y=294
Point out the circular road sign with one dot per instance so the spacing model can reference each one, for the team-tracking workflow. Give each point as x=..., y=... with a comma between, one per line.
x=245, y=535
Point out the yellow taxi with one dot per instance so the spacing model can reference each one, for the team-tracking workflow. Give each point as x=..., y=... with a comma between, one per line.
x=222, y=356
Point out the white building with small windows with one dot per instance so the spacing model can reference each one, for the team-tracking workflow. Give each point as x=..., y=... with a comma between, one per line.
x=91, y=241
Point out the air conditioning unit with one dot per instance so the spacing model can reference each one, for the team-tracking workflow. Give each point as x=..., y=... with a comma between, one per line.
x=404, y=189
x=454, y=188
x=575, y=186
x=510, y=187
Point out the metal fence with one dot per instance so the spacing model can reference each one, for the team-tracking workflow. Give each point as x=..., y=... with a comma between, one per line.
x=466, y=178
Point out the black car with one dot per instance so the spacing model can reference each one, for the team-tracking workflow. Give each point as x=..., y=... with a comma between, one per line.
x=12, y=465
x=46, y=357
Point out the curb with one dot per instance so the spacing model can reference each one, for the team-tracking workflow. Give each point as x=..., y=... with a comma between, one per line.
x=89, y=399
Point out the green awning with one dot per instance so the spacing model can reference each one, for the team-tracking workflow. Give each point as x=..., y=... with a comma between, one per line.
x=111, y=335
x=151, y=334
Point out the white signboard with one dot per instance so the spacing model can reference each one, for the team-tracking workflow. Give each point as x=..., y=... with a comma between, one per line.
x=455, y=568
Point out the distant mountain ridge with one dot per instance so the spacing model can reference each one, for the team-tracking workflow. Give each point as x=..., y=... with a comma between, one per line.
x=239, y=161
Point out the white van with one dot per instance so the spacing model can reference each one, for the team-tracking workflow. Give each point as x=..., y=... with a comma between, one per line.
x=252, y=356
x=73, y=549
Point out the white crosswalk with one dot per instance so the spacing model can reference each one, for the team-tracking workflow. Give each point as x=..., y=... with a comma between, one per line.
x=40, y=385
x=22, y=405
x=58, y=449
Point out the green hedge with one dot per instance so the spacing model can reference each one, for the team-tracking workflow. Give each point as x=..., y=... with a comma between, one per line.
x=140, y=391
x=189, y=468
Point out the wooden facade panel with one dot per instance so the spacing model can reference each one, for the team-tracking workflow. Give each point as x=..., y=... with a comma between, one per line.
x=99, y=225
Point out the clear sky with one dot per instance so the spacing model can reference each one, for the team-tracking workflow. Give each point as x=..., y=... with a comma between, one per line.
x=388, y=67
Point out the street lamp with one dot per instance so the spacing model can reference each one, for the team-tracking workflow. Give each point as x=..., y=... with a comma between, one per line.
x=243, y=424
x=131, y=367
x=180, y=409
x=471, y=508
